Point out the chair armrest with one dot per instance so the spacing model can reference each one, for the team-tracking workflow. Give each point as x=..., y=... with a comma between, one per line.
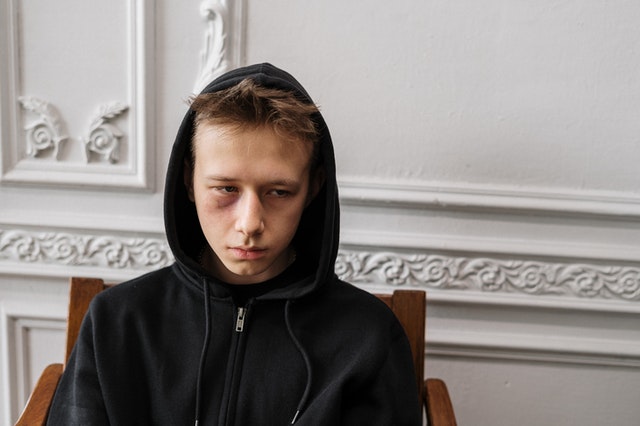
x=438, y=404
x=37, y=409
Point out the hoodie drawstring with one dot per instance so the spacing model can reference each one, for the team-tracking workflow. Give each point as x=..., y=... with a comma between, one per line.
x=205, y=348
x=307, y=362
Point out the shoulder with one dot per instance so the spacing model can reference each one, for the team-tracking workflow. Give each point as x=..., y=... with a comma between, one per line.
x=142, y=283
x=356, y=297
x=357, y=306
x=147, y=289
x=353, y=320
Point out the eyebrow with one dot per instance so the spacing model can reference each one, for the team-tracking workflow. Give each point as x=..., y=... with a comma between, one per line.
x=277, y=182
x=220, y=178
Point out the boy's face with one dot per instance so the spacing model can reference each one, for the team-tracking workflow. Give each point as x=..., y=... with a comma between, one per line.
x=250, y=188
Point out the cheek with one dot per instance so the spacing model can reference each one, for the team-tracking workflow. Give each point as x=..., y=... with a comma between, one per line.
x=289, y=218
x=212, y=212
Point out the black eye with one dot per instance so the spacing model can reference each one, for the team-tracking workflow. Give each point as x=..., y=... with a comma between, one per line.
x=227, y=189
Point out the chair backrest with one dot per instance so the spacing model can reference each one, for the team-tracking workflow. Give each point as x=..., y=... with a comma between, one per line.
x=410, y=307
x=82, y=291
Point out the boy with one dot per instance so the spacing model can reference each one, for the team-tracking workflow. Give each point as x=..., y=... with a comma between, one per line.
x=250, y=326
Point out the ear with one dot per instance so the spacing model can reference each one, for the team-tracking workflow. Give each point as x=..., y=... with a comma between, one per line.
x=317, y=180
x=188, y=179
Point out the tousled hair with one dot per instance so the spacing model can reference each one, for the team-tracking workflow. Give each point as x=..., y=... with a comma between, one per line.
x=248, y=105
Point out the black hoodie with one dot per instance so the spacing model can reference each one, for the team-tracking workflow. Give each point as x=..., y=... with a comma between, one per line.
x=168, y=348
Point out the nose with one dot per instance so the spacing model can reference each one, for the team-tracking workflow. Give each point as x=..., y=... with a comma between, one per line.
x=250, y=218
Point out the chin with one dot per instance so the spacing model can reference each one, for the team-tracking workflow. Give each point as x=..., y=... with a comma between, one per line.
x=252, y=275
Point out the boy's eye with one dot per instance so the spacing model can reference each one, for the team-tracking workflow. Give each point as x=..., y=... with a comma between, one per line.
x=280, y=192
x=227, y=189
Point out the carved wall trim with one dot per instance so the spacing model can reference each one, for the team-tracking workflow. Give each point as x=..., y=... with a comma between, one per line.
x=483, y=274
x=47, y=130
x=392, y=269
x=98, y=251
x=223, y=47
x=104, y=137
x=99, y=157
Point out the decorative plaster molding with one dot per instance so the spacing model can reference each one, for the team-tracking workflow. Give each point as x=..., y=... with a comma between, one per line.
x=104, y=137
x=534, y=347
x=490, y=275
x=357, y=191
x=47, y=131
x=212, y=57
x=471, y=274
x=83, y=250
x=127, y=164
x=24, y=356
x=18, y=316
x=222, y=39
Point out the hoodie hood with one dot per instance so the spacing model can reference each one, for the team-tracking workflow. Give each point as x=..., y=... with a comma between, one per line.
x=316, y=240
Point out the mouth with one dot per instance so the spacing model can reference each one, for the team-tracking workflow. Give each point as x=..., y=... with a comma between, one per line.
x=248, y=253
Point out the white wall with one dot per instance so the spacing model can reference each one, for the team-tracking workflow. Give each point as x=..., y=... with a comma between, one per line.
x=487, y=152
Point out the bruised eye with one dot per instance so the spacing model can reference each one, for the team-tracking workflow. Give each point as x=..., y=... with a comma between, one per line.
x=227, y=189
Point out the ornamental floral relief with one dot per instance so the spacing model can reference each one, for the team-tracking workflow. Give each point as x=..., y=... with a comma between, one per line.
x=104, y=137
x=46, y=131
x=83, y=250
x=490, y=275
x=213, y=56
x=425, y=271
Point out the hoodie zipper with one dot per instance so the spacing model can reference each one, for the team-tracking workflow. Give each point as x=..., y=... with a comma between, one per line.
x=240, y=317
x=242, y=312
x=237, y=349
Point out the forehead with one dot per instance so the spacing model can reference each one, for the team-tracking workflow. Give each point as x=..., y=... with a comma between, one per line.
x=245, y=150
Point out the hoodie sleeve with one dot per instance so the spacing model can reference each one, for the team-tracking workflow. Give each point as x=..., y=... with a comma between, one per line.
x=78, y=398
x=391, y=398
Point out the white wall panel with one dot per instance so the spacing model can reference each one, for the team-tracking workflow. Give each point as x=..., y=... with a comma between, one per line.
x=531, y=97
x=69, y=121
x=37, y=343
x=32, y=323
x=536, y=393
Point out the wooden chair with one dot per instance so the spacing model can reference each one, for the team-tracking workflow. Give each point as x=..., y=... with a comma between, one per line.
x=408, y=305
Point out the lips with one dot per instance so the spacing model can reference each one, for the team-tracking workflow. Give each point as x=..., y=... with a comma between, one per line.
x=248, y=253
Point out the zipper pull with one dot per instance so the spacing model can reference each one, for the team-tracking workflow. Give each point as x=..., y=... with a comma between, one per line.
x=240, y=319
